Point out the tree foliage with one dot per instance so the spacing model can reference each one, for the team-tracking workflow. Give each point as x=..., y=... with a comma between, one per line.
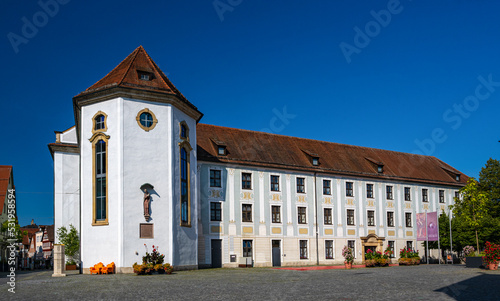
x=70, y=240
x=489, y=183
x=8, y=235
x=472, y=205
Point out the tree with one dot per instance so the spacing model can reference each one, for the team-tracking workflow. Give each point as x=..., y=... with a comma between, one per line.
x=70, y=240
x=472, y=205
x=11, y=231
x=489, y=182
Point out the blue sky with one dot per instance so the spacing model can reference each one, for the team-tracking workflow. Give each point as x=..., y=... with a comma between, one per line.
x=410, y=76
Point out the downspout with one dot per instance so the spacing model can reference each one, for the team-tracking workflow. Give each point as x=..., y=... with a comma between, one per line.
x=316, y=219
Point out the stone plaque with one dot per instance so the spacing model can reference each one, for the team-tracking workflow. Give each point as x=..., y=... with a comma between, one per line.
x=146, y=231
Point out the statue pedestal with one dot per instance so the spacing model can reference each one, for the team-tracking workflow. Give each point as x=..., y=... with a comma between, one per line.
x=59, y=264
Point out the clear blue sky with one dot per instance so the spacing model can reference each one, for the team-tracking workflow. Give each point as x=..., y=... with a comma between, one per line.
x=424, y=70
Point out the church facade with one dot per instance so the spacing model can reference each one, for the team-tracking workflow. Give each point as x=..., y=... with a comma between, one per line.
x=138, y=169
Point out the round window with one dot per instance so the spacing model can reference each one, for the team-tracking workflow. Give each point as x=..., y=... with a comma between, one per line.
x=146, y=120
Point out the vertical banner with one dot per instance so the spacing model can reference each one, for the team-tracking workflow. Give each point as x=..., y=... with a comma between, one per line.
x=432, y=226
x=421, y=228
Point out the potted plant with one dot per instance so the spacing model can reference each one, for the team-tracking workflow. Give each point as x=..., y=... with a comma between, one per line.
x=168, y=268
x=408, y=257
x=473, y=259
x=491, y=255
x=152, y=262
x=71, y=243
x=70, y=265
x=348, y=257
x=369, y=259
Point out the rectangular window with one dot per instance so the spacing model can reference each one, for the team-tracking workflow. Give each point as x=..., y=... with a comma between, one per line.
x=215, y=211
x=371, y=217
x=327, y=187
x=328, y=216
x=329, y=249
x=185, y=201
x=215, y=178
x=246, y=213
x=391, y=247
x=301, y=211
x=441, y=196
x=246, y=180
x=425, y=195
x=303, y=249
x=247, y=248
x=352, y=244
x=409, y=245
x=369, y=191
x=300, y=185
x=350, y=217
x=390, y=219
x=457, y=195
x=276, y=214
x=388, y=190
x=348, y=189
x=407, y=194
x=408, y=219
x=275, y=183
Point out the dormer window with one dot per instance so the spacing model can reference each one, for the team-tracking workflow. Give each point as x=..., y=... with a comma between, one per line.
x=221, y=150
x=457, y=177
x=315, y=161
x=147, y=76
x=380, y=168
x=313, y=157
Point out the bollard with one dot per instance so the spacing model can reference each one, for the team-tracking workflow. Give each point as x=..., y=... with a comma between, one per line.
x=59, y=261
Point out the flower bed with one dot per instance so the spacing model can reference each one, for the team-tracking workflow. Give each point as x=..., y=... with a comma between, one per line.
x=408, y=257
x=152, y=263
x=373, y=259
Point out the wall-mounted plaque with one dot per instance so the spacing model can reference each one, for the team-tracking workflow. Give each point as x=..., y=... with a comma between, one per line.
x=146, y=231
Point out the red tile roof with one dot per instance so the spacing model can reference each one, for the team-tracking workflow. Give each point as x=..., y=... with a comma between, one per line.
x=30, y=233
x=283, y=152
x=5, y=174
x=127, y=74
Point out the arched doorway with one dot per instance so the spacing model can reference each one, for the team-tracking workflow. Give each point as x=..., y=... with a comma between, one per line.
x=373, y=242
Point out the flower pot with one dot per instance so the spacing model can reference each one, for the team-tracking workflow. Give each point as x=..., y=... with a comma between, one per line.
x=369, y=263
x=161, y=271
x=474, y=262
x=348, y=265
x=493, y=266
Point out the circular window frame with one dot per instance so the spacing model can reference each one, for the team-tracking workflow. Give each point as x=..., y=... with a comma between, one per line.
x=138, y=119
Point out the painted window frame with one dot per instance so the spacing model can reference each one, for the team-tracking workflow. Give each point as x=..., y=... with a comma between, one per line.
x=245, y=181
x=350, y=217
x=327, y=189
x=352, y=244
x=303, y=249
x=213, y=217
x=94, y=140
x=94, y=122
x=273, y=185
x=301, y=215
x=441, y=196
x=275, y=216
x=408, y=220
x=370, y=220
x=247, y=248
x=329, y=254
x=327, y=216
x=369, y=190
x=389, y=192
x=390, y=219
x=407, y=193
x=154, y=121
x=301, y=184
x=246, y=215
x=425, y=195
x=349, y=189
x=213, y=180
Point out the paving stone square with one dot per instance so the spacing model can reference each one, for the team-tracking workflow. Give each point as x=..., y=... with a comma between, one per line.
x=433, y=282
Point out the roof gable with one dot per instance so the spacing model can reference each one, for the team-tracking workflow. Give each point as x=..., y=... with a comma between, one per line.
x=278, y=151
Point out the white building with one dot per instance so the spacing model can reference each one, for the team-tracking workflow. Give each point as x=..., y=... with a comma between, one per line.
x=219, y=196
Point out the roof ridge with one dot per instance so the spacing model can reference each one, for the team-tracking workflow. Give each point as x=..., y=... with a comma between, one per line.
x=134, y=53
x=321, y=141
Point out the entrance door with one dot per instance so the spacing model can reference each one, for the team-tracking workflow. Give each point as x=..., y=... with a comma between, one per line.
x=216, y=253
x=374, y=249
x=276, y=253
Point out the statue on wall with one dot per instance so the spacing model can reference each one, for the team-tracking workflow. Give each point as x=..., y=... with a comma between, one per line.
x=147, y=200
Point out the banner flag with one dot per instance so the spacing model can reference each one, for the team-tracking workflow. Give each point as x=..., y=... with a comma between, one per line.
x=432, y=226
x=421, y=229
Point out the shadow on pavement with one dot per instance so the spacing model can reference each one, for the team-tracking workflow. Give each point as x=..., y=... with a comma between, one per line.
x=482, y=287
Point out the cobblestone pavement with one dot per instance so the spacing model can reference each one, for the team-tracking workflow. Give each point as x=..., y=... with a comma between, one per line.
x=434, y=282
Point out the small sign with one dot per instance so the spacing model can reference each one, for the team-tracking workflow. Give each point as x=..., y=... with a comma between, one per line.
x=146, y=231
x=232, y=258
